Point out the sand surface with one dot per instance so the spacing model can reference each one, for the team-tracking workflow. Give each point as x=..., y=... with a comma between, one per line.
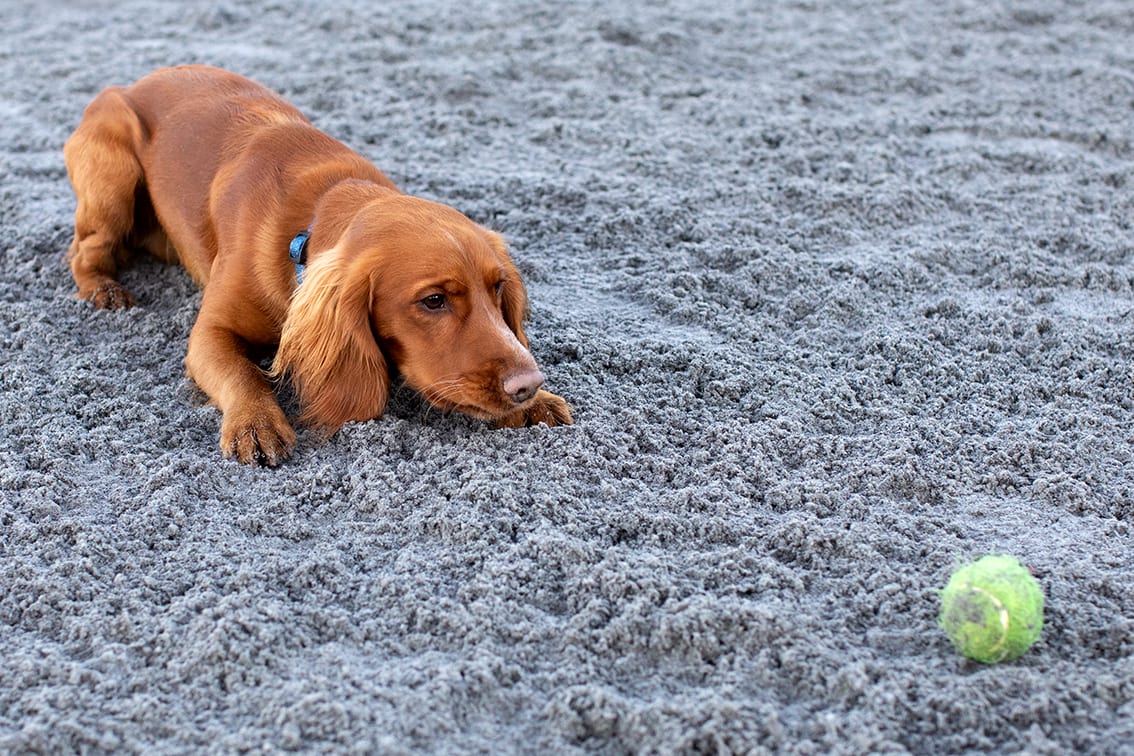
x=842, y=294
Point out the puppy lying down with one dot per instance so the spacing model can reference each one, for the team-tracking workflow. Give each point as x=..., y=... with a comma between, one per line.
x=298, y=242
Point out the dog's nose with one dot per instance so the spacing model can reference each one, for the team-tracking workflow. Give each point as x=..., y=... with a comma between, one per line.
x=522, y=386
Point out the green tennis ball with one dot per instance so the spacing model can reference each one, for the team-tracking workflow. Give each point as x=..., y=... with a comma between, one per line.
x=992, y=609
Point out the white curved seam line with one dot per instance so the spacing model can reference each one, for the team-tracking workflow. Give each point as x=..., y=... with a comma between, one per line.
x=1004, y=620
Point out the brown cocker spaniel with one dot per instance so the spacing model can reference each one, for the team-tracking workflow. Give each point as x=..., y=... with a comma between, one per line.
x=297, y=241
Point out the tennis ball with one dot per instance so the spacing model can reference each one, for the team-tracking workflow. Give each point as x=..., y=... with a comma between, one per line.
x=992, y=609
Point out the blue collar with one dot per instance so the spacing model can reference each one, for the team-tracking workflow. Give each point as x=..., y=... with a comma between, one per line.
x=297, y=251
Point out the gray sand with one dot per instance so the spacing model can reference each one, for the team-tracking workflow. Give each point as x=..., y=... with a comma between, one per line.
x=841, y=293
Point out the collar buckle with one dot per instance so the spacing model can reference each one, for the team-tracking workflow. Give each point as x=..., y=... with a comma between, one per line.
x=297, y=251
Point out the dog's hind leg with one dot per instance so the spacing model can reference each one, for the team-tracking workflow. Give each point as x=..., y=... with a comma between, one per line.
x=106, y=174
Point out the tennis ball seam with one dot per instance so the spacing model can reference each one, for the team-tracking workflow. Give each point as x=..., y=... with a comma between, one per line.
x=1005, y=620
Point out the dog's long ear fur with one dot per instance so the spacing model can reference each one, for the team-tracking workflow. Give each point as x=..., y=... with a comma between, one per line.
x=328, y=350
x=514, y=298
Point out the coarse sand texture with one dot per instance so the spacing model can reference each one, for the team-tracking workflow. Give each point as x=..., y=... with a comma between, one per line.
x=841, y=293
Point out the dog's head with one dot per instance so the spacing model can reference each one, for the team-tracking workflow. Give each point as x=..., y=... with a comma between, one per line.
x=416, y=283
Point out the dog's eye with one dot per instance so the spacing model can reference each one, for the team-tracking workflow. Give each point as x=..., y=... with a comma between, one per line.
x=499, y=288
x=433, y=302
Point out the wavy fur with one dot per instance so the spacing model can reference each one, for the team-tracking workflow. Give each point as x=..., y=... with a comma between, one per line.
x=328, y=350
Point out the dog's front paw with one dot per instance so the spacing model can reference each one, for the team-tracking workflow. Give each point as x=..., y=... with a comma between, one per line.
x=546, y=408
x=258, y=440
x=109, y=295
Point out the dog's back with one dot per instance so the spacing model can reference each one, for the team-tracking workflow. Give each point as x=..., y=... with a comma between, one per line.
x=155, y=165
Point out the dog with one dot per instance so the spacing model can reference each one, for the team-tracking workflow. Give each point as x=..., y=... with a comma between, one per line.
x=302, y=245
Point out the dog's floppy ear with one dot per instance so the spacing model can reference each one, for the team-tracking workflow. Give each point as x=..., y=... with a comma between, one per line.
x=328, y=350
x=514, y=297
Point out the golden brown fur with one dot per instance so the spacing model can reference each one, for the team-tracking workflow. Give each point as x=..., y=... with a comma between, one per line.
x=206, y=168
